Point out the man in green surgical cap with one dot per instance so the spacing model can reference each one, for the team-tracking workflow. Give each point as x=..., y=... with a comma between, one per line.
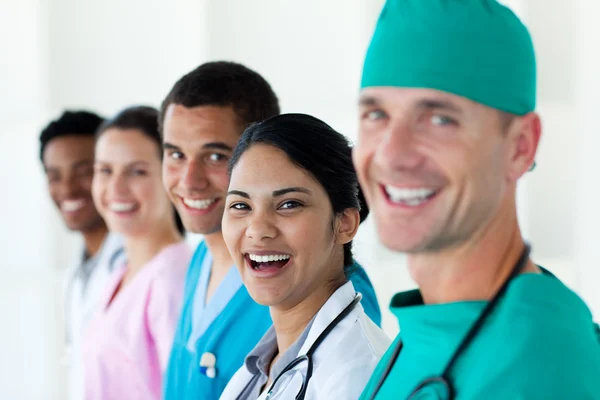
x=447, y=128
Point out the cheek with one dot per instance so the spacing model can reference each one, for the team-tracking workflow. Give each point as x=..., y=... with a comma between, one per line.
x=362, y=155
x=233, y=231
x=86, y=183
x=170, y=175
x=97, y=188
x=53, y=190
x=219, y=178
x=308, y=235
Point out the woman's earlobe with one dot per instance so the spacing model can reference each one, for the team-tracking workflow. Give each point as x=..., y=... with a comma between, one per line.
x=347, y=226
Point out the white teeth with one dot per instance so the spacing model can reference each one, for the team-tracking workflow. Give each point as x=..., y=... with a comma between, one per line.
x=270, y=258
x=121, y=207
x=198, y=204
x=72, y=205
x=410, y=197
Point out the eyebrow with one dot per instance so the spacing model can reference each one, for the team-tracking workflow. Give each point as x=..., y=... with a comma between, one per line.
x=206, y=146
x=217, y=146
x=129, y=165
x=276, y=193
x=81, y=163
x=368, y=101
x=281, y=192
x=430, y=104
x=169, y=146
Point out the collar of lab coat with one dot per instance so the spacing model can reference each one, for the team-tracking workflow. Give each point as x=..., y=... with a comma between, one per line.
x=333, y=307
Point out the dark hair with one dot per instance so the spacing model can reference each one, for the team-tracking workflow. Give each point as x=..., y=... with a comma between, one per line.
x=70, y=123
x=144, y=119
x=318, y=149
x=223, y=83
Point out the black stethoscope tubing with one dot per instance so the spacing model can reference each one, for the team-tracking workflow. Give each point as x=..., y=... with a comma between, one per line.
x=309, y=354
x=445, y=377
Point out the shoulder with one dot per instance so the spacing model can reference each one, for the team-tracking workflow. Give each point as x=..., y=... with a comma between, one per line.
x=346, y=380
x=549, y=338
x=356, y=346
x=173, y=259
x=170, y=269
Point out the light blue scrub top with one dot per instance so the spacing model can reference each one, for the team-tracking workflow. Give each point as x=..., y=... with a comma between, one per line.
x=229, y=327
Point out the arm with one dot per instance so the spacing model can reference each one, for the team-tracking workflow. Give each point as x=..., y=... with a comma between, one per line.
x=162, y=312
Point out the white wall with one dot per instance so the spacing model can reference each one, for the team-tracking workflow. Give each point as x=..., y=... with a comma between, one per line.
x=105, y=55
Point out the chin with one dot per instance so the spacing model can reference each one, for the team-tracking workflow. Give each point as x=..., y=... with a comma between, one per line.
x=266, y=296
x=200, y=227
x=405, y=242
x=129, y=230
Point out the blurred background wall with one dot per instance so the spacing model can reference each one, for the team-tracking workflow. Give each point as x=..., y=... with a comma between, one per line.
x=106, y=55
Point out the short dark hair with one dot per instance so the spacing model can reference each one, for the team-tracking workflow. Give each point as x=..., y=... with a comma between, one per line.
x=144, y=119
x=318, y=149
x=70, y=123
x=223, y=83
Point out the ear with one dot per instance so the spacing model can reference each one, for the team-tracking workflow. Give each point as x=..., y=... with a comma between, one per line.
x=525, y=134
x=346, y=225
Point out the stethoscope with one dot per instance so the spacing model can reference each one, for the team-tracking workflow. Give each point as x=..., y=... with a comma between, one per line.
x=440, y=387
x=308, y=357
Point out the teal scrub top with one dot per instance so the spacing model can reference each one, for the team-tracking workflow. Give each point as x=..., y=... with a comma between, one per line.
x=230, y=337
x=539, y=343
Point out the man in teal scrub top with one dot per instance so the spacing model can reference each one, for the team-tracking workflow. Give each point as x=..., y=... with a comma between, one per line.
x=202, y=119
x=447, y=128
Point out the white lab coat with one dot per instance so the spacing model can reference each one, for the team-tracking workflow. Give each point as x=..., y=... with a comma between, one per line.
x=80, y=303
x=344, y=361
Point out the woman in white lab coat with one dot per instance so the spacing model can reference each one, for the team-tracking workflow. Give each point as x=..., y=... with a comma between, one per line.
x=292, y=210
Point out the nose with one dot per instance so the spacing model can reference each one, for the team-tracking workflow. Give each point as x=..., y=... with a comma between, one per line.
x=69, y=186
x=194, y=176
x=398, y=148
x=118, y=185
x=261, y=227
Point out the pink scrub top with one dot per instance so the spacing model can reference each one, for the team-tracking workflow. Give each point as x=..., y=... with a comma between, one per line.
x=128, y=341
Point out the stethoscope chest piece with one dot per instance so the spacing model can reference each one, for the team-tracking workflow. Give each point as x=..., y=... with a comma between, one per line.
x=208, y=363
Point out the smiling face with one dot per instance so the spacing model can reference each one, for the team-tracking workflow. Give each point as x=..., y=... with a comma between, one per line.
x=68, y=163
x=198, y=143
x=434, y=167
x=278, y=228
x=127, y=185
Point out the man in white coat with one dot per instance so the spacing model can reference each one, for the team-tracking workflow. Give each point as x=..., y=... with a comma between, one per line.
x=67, y=155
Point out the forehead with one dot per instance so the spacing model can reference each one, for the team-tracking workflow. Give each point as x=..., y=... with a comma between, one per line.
x=410, y=98
x=125, y=145
x=193, y=127
x=264, y=167
x=68, y=150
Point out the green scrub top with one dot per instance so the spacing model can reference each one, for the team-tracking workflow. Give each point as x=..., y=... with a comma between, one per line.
x=540, y=342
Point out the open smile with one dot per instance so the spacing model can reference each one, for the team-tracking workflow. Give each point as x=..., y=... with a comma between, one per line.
x=267, y=264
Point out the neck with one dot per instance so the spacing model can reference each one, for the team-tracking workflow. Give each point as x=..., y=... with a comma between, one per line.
x=94, y=238
x=222, y=260
x=474, y=270
x=290, y=322
x=141, y=249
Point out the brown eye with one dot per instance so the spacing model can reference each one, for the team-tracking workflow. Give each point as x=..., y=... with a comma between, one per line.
x=239, y=206
x=291, y=204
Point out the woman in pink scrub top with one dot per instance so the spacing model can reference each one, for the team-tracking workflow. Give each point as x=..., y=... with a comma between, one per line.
x=127, y=344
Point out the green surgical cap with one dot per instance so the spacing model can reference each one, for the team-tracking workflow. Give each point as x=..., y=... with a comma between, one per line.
x=478, y=49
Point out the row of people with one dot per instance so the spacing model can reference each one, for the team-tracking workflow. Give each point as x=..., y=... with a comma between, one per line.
x=273, y=304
